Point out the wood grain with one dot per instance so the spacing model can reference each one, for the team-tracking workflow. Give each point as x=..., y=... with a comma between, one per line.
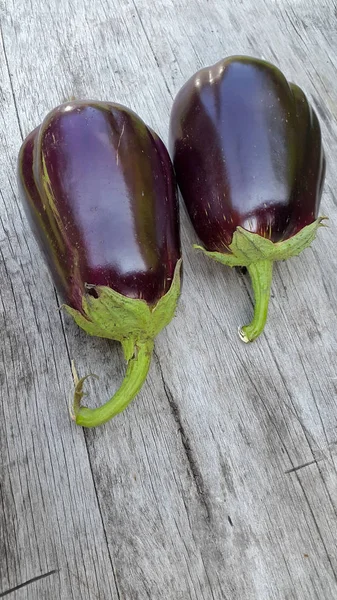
x=219, y=481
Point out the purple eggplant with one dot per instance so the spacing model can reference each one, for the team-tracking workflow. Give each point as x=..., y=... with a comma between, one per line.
x=249, y=161
x=99, y=191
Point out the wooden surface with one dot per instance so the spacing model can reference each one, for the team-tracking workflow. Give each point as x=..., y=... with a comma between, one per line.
x=219, y=482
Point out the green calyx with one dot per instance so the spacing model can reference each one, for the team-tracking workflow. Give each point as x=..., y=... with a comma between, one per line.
x=134, y=324
x=258, y=254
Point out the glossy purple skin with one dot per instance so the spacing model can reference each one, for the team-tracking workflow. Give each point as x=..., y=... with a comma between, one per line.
x=99, y=190
x=247, y=151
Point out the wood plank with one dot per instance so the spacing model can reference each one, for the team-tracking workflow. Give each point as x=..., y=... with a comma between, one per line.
x=220, y=480
x=49, y=514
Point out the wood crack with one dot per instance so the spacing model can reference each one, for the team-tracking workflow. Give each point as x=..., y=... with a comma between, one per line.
x=321, y=536
x=307, y=464
x=151, y=48
x=292, y=409
x=29, y=582
x=247, y=284
x=193, y=465
x=102, y=520
x=11, y=84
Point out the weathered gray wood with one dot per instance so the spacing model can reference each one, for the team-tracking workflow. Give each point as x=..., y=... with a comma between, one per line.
x=219, y=482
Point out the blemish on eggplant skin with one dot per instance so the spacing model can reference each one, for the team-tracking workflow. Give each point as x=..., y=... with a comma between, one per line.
x=230, y=521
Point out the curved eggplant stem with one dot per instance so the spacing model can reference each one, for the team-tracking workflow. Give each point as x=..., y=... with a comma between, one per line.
x=261, y=273
x=137, y=370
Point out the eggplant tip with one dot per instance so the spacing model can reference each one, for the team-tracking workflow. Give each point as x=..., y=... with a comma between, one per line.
x=243, y=337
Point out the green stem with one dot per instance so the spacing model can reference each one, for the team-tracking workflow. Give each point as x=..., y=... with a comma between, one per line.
x=135, y=376
x=261, y=273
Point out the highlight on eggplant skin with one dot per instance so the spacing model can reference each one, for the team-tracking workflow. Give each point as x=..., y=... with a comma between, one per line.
x=99, y=192
x=248, y=156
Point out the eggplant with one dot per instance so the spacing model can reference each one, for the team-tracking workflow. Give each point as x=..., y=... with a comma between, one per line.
x=249, y=161
x=99, y=191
